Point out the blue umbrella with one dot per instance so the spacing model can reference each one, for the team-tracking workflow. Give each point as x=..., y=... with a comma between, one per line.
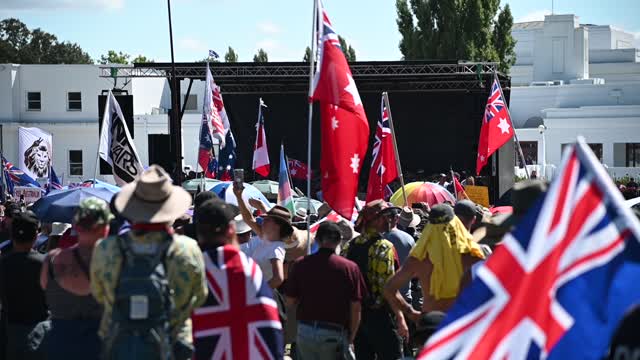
x=60, y=205
x=224, y=190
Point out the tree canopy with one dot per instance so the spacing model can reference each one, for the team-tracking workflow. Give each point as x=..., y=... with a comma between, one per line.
x=261, y=56
x=113, y=57
x=231, y=56
x=141, y=59
x=20, y=45
x=476, y=30
x=349, y=52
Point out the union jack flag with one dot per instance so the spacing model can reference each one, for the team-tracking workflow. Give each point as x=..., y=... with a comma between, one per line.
x=54, y=182
x=239, y=319
x=15, y=177
x=496, y=102
x=560, y=282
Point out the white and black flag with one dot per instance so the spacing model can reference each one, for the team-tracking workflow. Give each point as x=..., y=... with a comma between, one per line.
x=116, y=146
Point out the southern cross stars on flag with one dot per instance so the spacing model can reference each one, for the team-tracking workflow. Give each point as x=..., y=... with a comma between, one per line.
x=344, y=125
x=383, y=167
x=560, y=282
x=496, y=129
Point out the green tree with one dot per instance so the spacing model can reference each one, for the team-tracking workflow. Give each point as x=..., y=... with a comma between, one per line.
x=455, y=30
x=261, y=56
x=20, y=45
x=347, y=50
x=307, y=55
x=231, y=56
x=113, y=57
x=503, y=40
x=141, y=59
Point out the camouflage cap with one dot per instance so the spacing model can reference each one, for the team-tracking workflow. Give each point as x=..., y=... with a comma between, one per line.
x=92, y=211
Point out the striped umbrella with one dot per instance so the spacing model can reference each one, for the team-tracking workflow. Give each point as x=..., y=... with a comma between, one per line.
x=419, y=191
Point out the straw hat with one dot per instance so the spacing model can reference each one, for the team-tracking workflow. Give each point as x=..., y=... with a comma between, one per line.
x=152, y=198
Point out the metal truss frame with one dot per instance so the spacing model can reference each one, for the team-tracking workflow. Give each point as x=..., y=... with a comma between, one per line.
x=293, y=77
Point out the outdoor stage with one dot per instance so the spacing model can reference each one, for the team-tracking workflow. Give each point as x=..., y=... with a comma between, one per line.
x=437, y=109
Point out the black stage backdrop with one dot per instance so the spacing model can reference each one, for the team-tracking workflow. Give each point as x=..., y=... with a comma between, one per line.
x=435, y=130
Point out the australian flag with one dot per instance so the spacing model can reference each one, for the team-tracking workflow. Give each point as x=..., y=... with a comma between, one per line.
x=54, y=182
x=16, y=177
x=227, y=161
x=239, y=319
x=560, y=282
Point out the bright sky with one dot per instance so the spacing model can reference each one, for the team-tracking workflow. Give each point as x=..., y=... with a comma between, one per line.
x=282, y=27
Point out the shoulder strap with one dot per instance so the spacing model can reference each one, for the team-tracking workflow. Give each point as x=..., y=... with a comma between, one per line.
x=81, y=263
x=52, y=275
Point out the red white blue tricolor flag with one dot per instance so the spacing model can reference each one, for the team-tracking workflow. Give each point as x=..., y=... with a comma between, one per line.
x=559, y=284
x=261, y=163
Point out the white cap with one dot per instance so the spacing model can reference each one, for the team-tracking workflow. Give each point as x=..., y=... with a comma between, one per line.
x=241, y=226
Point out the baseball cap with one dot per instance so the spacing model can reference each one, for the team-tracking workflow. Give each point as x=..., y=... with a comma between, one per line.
x=441, y=214
x=92, y=211
x=216, y=213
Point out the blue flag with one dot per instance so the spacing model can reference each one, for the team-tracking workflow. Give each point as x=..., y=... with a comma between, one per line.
x=16, y=177
x=227, y=158
x=559, y=284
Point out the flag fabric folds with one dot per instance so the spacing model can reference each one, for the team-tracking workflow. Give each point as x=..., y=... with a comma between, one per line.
x=383, y=167
x=260, y=153
x=298, y=169
x=116, y=146
x=13, y=177
x=560, y=282
x=497, y=127
x=344, y=125
x=227, y=161
x=35, y=152
x=53, y=182
x=285, y=194
x=239, y=319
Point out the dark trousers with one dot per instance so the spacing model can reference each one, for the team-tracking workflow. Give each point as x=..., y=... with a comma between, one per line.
x=377, y=337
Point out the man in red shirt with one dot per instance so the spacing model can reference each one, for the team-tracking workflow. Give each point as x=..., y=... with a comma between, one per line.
x=328, y=290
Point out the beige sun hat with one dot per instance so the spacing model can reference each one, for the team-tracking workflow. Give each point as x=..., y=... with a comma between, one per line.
x=152, y=198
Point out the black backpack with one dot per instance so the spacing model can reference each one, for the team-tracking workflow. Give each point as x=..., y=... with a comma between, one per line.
x=359, y=254
x=143, y=303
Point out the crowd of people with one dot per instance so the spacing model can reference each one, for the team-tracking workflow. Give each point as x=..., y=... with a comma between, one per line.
x=136, y=277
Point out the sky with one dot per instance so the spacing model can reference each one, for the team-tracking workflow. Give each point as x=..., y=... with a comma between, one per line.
x=281, y=27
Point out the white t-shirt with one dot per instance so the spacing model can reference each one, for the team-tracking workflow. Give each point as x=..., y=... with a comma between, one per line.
x=263, y=251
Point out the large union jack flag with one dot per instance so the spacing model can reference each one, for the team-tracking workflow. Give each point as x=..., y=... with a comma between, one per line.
x=240, y=319
x=561, y=281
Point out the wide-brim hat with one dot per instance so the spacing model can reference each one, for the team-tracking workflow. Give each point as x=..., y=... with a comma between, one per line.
x=241, y=226
x=408, y=219
x=282, y=216
x=152, y=198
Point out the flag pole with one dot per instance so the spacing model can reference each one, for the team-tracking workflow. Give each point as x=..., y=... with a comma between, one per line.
x=312, y=60
x=515, y=135
x=453, y=179
x=107, y=108
x=385, y=96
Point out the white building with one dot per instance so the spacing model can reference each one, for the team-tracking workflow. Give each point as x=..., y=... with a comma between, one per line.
x=577, y=79
x=63, y=100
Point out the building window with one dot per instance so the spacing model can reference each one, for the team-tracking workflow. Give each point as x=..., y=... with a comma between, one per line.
x=191, y=103
x=34, y=101
x=596, y=148
x=530, y=152
x=633, y=154
x=74, y=101
x=75, y=163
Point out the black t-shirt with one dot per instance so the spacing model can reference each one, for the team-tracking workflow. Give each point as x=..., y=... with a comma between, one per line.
x=23, y=300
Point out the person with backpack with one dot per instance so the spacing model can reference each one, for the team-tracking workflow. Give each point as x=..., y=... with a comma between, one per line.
x=381, y=328
x=149, y=279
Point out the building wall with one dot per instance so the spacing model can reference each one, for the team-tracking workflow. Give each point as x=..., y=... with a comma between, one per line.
x=606, y=125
